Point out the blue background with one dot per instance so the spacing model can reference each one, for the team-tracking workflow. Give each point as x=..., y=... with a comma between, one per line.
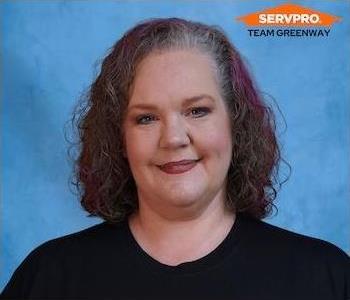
x=50, y=53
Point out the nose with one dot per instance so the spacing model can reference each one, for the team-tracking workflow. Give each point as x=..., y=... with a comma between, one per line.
x=174, y=133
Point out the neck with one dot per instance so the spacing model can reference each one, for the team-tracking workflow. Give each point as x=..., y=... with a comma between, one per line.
x=173, y=240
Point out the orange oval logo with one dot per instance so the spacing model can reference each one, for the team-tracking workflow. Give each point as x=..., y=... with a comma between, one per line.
x=289, y=15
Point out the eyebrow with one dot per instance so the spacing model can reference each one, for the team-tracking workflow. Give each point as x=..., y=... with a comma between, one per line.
x=187, y=101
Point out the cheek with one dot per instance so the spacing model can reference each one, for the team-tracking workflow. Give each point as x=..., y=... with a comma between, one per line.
x=140, y=147
x=221, y=145
x=219, y=142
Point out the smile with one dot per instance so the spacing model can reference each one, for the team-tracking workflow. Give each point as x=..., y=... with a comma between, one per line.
x=178, y=167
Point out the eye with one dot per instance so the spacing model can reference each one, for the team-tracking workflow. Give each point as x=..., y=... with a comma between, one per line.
x=198, y=112
x=144, y=119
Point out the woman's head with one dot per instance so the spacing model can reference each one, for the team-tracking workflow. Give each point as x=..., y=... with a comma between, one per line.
x=103, y=167
x=177, y=135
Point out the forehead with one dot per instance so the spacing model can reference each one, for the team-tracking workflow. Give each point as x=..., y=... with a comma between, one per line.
x=175, y=73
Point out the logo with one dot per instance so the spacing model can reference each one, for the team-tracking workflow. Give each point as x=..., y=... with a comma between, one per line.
x=296, y=20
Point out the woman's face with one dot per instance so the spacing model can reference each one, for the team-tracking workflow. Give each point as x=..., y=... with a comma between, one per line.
x=177, y=132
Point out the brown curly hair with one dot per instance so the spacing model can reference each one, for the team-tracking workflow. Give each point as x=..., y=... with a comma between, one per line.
x=102, y=174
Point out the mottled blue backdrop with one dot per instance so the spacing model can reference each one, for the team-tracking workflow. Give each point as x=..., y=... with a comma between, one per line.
x=50, y=52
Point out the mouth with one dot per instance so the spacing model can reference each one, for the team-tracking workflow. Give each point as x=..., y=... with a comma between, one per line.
x=178, y=167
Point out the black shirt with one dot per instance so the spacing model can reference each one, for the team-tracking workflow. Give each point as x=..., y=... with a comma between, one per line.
x=255, y=261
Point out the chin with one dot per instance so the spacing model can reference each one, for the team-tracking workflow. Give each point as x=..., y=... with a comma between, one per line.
x=182, y=199
x=184, y=202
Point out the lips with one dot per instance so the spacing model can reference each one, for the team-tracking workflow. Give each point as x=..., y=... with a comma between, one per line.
x=178, y=166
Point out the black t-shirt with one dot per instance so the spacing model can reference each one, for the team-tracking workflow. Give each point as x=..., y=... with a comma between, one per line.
x=256, y=261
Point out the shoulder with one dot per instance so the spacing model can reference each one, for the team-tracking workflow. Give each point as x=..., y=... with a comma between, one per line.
x=55, y=262
x=284, y=237
x=84, y=243
x=306, y=263
x=90, y=240
x=310, y=268
x=279, y=242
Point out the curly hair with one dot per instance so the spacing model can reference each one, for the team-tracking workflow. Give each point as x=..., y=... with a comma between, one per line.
x=102, y=174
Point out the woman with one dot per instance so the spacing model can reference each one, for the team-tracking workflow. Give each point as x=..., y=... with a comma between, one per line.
x=179, y=157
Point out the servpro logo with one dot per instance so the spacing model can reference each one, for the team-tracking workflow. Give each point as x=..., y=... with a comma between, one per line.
x=298, y=19
x=287, y=19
